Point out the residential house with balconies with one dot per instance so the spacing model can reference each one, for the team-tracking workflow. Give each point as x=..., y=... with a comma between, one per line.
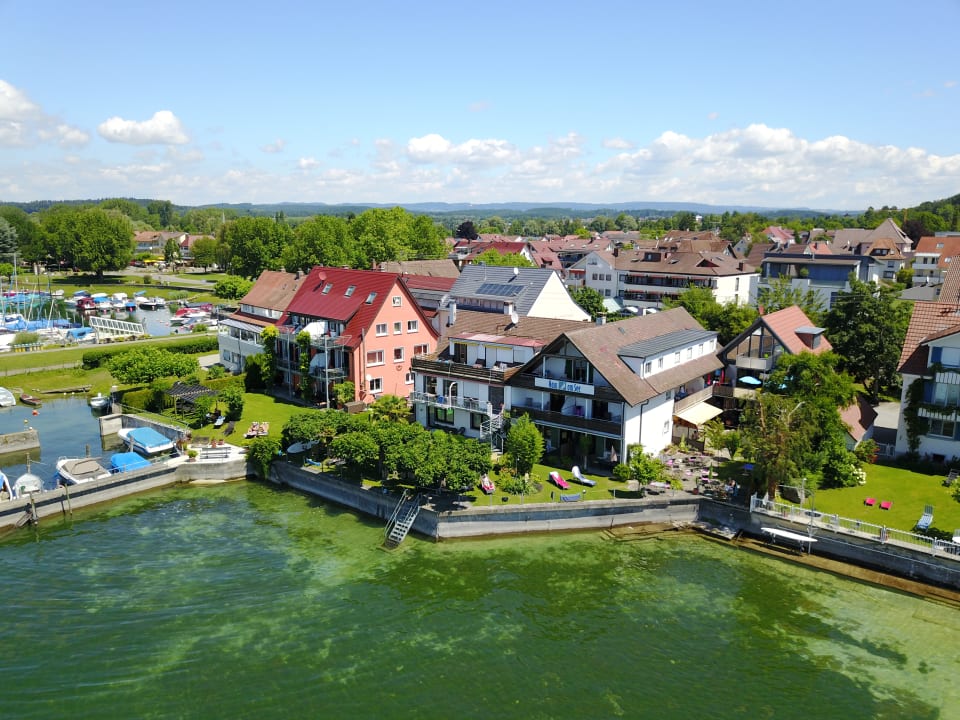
x=596, y=390
x=646, y=277
x=264, y=304
x=364, y=326
x=750, y=356
x=817, y=266
x=933, y=257
x=930, y=368
x=462, y=386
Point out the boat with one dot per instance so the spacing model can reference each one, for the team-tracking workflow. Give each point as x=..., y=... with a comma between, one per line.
x=486, y=484
x=299, y=447
x=127, y=462
x=6, y=398
x=145, y=440
x=73, y=471
x=152, y=303
x=99, y=401
x=559, y=481
x=27, y=484
x=28, y=399
x=6, y=492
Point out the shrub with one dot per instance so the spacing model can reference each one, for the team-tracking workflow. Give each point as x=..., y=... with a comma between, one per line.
x=26, y=338
x=216, y=372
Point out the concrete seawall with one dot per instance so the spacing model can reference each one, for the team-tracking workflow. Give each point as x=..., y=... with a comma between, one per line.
x=17, y=442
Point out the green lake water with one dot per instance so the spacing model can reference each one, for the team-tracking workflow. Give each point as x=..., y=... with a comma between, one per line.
x=244, y=601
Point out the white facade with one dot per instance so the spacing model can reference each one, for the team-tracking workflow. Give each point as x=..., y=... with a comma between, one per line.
x=940, y=402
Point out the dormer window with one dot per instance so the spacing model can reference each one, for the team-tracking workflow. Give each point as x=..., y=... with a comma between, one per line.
x=370, y=298
x=327, y=288
x=350, y=290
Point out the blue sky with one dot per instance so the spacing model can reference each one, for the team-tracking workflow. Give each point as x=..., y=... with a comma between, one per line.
x=834, y=105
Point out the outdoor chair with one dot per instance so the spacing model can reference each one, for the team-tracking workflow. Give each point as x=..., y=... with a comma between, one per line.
x=870, y=501
x=229, y=428
x=927, y=519
x=886, y=504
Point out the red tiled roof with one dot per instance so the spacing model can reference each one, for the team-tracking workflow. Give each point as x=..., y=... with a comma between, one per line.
x=784, y=323
x=354, y=310
x=944, y=247
x=273, y=290
x=859, y=418
x=928, y=321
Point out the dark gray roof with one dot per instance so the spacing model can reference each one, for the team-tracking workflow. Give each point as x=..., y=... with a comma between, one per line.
x=489, y=282
x=662, y=343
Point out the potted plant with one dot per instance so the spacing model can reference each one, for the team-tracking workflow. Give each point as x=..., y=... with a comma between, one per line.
x=191, y=455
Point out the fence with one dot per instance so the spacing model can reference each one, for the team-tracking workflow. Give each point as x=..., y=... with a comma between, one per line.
x=815, y=520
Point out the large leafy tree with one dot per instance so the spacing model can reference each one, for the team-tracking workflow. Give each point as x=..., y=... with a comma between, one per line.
x=204, y=251
x=30, y=241
x=321, y=240
x=728, y=320
x=391, y=408
x=89, y=239
x=8, y=240
x=255, y=244
x=867, y=327
x=145, y=364
x=492, y=257
x=466, y=231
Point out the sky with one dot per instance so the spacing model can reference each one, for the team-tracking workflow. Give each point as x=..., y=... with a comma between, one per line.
x=826, y=105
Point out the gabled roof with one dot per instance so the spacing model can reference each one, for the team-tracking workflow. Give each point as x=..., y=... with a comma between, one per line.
x=787, y=326
x=489, y=282
x=946, y=246
x=928, y=321
x=430, y=268
x=273, y=290
x=859, y=417
x=680, y=263
x=601, y=345
x=423, y=282
x=357, y=307
x=950, y=290
x=541, y=330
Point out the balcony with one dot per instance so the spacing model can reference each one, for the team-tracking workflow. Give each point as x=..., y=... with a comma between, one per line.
x=574, y=422
x=429, y=365
x=451, y=401
x=752, y=362
x=600, y=392
x=693, y=398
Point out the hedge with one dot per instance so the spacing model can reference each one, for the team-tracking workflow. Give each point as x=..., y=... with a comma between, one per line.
x=188, y=346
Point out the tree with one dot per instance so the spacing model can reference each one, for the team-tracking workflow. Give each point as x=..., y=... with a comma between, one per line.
x=780, y=293
x=6, y=270
x=321, y=240
x=492, y=257
x=262, y=452
x=163, y=210
x=89, y=239
x=713, y=433
x=30, y=240
x=202, y=407
x=232, y=397
x=867, y=327
x=685, y=220
x=466, y=231
x=204, y=251
x=390, y=408
x=524, y=444
x=590, y=300
x=358, y=449
x=8, y=240
x=268, y=341
x=171, y=251
x=728, y=320
x=255, y=244
x=232, y=287
x=344, y=392
x=644, y=468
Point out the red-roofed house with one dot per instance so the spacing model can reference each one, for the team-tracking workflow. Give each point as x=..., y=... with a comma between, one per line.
x=933, y=257
x=755, y=351
x=364, y=327
x=931, y=357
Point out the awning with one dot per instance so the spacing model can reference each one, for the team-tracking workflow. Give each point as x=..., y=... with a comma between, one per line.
x=240, y=325
x=699, y=414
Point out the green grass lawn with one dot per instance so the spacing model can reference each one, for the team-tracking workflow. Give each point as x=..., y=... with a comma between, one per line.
x=908, y=491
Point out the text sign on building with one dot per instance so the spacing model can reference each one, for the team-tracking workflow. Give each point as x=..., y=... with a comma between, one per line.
x=563, y=386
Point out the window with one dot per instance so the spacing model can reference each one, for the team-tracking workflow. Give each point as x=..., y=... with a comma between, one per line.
x=606, y=292
x=941, y=427
x=370, y=298
x=689, y=353
x=350, y=290
x=736, y=284
x=608, y=277
x=659, y=363
x=476, y=421
x=443, y=415
x=668, y=394
x=594, y=276
x=327, y=288
x=413, y=326
x=647, y=367
x=375, y=357
x=381, y=329
x=397, y=328
x=676, y=358
x=398, y=354
x=376, y=385
x=666, y=427
x=396, y=301
x=408, y=378
x=421, y=349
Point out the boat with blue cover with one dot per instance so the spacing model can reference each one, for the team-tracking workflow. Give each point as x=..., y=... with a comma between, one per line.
x=127, y=462
x=145, y=440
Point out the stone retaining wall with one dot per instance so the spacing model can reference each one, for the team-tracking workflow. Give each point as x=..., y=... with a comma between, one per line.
x=21, y=441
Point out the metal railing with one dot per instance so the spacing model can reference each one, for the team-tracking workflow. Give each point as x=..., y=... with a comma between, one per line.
x=815, y=520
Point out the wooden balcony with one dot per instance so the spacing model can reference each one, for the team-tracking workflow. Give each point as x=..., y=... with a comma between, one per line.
x=600, y=392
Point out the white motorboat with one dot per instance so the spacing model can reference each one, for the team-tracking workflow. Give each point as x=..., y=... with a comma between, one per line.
x=7, y=398
x=99, y=401
x=27, y=484
x=80, y=470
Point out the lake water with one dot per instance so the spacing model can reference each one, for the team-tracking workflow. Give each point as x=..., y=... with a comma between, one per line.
x=246, y=601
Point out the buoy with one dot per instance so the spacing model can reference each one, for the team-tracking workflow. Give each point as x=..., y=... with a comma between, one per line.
x=36, y=412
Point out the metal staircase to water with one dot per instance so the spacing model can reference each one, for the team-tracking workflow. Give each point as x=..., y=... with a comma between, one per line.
x=401, y=521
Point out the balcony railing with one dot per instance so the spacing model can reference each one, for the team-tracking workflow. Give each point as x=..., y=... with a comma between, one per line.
x=452, y=401
x=693, y=398
x=751, y=362
x=430, y=365
x=575, y=422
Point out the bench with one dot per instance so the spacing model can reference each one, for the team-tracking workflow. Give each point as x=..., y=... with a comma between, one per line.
x=210, y=453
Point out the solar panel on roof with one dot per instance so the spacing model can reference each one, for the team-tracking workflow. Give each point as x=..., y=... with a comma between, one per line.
x=499, y=289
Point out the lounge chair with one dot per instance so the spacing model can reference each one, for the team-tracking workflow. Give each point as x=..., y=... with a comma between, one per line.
x=229, y=428
x=870, y=501
x=578, y=477
x=927, y=519
x=886, y=504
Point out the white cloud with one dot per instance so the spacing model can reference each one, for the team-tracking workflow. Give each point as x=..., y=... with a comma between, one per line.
x=617, y=143
x=435, y=148
x=713, y=115
x=274, y=147
x=14, y=104
x=23, y=123
x=307, y=163
x=164, y=128
x=950, y=83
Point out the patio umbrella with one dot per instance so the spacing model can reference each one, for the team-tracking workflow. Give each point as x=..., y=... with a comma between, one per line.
x=750, y=380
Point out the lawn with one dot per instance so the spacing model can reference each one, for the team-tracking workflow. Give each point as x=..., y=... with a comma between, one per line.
x=908, y=491
x=256, y=408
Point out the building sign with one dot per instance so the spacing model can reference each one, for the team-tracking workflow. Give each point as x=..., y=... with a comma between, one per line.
x=563, y=386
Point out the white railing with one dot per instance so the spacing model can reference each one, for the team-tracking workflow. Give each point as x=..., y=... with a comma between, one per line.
x=814, y=520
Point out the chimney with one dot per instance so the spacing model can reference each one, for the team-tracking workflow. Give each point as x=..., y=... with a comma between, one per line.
x=740, y=266
x=453, y=312
x=601, y=319
x=507, y=308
